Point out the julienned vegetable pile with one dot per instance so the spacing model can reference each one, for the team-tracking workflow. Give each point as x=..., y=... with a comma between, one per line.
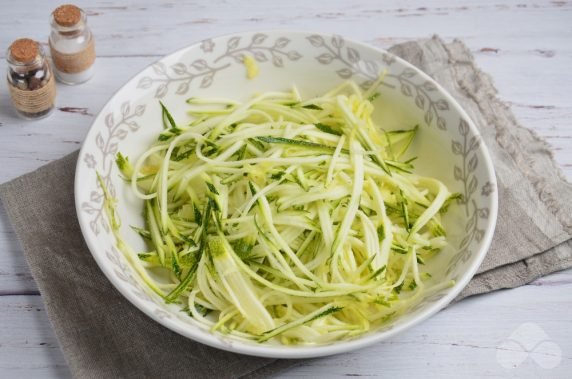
x=284, y=219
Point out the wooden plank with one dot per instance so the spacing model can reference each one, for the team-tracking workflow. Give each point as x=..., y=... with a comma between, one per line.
x=127, y=29
x=28, y=346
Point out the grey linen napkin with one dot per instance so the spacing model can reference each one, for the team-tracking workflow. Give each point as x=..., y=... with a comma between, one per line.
x=103, y=336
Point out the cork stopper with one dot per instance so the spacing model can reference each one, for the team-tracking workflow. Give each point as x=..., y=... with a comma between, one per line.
x=24, y=50
x=67, y=15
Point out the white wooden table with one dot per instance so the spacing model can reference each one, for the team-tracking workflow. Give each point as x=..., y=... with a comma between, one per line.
x=525, y=45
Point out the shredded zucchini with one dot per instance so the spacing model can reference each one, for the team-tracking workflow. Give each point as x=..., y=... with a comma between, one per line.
x=283, y=219
x=251, y=67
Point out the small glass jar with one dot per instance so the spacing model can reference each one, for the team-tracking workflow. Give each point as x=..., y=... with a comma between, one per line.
x=71, y=45
x=30, y=81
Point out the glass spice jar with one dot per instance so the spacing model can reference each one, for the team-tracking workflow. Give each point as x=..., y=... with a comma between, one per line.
x=71, y=45
x=30, y=81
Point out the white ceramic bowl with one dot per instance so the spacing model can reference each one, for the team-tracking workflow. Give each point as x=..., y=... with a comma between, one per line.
x=448, y=146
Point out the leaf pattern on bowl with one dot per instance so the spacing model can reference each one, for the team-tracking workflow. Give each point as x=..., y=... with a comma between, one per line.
x=162, y=314
x=207, y=45
x=336, y=50
x=182, y=74
x=465, y=173
x=422, y=97
x=124, y=273
x=274, y=52
x=349, y=57
x=107, y=143
x=429, y=299
x=487, y=189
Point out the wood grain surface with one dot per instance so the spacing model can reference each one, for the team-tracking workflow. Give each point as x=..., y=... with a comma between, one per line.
x=526, y=46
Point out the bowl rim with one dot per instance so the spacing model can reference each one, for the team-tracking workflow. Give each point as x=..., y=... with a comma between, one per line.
x=279, y=351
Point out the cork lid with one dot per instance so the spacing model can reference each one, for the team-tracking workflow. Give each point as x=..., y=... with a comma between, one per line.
x=24, y=50
x=67, y=15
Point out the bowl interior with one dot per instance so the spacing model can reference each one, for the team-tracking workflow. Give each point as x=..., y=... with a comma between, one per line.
x=447, y=146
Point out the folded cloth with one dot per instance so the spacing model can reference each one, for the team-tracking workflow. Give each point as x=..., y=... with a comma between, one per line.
x=103, y=336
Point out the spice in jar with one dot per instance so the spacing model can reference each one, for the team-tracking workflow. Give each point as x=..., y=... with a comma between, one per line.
x=30, y=81
x=71, y=45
